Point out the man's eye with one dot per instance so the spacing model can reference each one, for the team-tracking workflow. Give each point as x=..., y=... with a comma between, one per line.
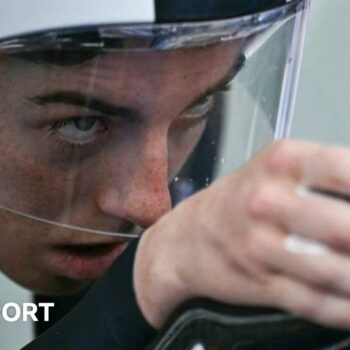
x=79, y=129
x=201, y=107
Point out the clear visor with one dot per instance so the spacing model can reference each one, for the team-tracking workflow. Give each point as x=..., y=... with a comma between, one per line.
x=103, y=131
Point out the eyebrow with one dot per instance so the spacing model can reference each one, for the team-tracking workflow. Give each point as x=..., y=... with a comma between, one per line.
x=77, y=99
x=126, y=112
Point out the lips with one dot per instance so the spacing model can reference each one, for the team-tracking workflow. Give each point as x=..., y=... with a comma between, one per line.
x=85, y=261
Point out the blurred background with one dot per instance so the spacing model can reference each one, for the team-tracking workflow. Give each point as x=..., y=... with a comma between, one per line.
x=322, y=108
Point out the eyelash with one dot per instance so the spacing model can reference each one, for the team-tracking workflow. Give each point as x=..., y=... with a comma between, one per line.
x=62, y=122
x=206, y=114
x=189, y=123
x=69, y=145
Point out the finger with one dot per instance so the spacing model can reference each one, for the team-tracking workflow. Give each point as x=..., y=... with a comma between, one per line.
x=327, y=169
x=321, y=217
x=312, y=215
x=315, y=165
x=329, y=272
x=311, y=303
x=301, y=284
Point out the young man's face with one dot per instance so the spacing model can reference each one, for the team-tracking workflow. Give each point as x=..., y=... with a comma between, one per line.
x=95, y=145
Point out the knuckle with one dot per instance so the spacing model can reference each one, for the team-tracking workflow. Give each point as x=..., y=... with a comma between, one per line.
x=264, y=199
x=334, y=163
x=280, y=156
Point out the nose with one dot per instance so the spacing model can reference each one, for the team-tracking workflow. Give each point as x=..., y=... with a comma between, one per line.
x=136, y=186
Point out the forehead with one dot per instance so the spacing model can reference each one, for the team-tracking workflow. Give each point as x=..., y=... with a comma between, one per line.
x=131, y=77
x=187, y=59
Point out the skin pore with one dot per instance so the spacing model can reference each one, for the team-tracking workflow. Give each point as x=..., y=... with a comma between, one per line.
x=95, y=145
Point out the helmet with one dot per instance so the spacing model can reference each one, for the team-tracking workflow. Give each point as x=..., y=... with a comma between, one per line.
x=112, y=111
x=67, y=15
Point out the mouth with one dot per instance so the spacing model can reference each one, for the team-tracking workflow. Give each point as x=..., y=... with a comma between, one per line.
x=83, y=262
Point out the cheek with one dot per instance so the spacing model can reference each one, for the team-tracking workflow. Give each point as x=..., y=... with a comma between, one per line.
x=20, y=248
x=30, y=187
x=29, y=181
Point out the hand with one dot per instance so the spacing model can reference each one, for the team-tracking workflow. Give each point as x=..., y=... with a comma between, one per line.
x=227, y=241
